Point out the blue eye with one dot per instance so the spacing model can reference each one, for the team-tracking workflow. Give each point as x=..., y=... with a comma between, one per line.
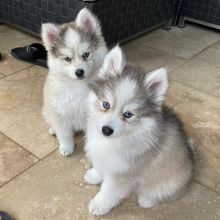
x=106, y=105
x=128, y=114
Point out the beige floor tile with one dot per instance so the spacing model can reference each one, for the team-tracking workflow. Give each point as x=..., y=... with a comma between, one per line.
x=54, y=189
x=200, y=111
x=202, y=72
x=13, y=159
x=216, y=45
x=151, y=36
x=181, y=42
x=207, y=168
x=150, y=58
x=9, y=64
x=201, y=115
x=11, y=38
x=20, y=111
x=211, y=55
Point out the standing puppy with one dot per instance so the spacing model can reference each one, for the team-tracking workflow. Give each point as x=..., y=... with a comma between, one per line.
x=134, y=141
x=76, y=51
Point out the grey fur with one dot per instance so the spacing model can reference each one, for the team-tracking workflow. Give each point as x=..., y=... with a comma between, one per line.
x=85, y=36
x=147, y=104
x=147, y=153
x=167, y=120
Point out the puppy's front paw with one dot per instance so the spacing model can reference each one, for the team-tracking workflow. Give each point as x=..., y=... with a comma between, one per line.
x=98, y=207
x=65, y=151
x=92, y=177
x=145, y=202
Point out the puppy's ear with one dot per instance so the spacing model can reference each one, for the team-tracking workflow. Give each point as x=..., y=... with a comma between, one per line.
x=89, y=22
x=50, y=34
x=114, y=63
x=156, y=83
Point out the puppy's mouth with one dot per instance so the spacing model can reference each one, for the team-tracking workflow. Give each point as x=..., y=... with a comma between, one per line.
x=81, y=78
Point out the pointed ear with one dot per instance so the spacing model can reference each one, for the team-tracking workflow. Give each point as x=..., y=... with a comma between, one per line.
x=50, y=34
x=89, y=22
x=156, y=83
x=115, y=61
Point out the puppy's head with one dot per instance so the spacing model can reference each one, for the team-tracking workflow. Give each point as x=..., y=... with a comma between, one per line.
x=76, y=49
x=125, y=99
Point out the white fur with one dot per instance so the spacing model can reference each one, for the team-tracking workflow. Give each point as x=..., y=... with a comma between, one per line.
x=123, y=162
x=65, y=96
x=92, y=176
x=88, y=21
x=50, y=33
x=72, y=39
x=111, y=158
x=122, y=165
x=114, y=62
x=125, y=90
x=65, y=109
x=159, y=77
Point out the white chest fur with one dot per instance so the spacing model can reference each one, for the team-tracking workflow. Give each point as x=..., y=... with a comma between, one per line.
x=106, y=154
x=68, y=98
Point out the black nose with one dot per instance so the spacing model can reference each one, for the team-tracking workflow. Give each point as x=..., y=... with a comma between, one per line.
x=107, y=131
x=79, y=73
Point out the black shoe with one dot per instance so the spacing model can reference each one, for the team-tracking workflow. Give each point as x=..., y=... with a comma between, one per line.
x=34, y=53
x=5, y=216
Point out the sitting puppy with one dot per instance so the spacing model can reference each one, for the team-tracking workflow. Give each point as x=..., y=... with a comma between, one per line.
x=134, y=142
x=76, y=51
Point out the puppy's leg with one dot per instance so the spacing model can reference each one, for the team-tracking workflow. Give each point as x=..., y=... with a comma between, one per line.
x=64, y=132
x=92, y=176
x=48, y=116
x=149, y=197
x=111, y=193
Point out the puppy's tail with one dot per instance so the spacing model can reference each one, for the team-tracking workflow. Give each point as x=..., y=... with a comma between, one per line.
x=192, y=152
x=191, y=144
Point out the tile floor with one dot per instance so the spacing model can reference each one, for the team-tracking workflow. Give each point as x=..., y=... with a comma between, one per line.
x=37, y=183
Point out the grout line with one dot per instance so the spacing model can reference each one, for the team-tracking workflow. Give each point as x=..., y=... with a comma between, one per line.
x=19, y=145
x=179, y=57
x=18, y=174
x=175, y=68
x=179, y=66
x=206, y=186
x=164, y=52
x=199, y=90
x=208, y=47
x=198, y=145
x=31, y=65
x=39, y=160
x=143, y=44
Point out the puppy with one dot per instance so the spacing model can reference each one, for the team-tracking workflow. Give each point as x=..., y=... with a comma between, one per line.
x=76, y=51
x=135, y=143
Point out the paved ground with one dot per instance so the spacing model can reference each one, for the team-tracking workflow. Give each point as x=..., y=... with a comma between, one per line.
x=37, y=183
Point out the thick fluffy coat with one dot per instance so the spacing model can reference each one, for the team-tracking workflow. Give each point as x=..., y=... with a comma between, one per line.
x=76, y=51
x=135, y=142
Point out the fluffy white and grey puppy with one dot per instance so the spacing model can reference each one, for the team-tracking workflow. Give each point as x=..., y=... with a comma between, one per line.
x=135, y=143
x=76, y=51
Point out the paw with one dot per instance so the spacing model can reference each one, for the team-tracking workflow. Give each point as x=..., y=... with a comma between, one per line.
x=98, y=207
x=145, y=202
x=65, y=151
x=92, y=177
x=52, y=131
